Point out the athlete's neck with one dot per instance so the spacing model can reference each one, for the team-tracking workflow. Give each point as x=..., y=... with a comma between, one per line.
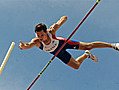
x=47, y=41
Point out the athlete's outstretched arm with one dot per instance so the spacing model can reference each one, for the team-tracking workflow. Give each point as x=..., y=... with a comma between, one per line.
x=62, y=20
x=34, y=42
x=57, y=25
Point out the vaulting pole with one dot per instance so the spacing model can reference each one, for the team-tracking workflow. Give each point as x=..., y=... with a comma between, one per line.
x=6, y=57
x=64, y=43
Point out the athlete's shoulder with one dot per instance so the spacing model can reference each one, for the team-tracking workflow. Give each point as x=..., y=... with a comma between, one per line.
x=35, y=39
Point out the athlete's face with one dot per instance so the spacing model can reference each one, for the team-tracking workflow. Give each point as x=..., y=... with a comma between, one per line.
x=41, y=35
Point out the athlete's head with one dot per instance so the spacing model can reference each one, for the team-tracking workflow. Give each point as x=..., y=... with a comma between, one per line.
x=39, y=27
x=41, y=31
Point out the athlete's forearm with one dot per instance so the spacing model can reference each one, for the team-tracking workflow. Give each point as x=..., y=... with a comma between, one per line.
x=27, y=45
x=62, y=20
x=57, y=25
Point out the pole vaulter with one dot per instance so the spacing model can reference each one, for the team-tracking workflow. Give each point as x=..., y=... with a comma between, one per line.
x=97, y=2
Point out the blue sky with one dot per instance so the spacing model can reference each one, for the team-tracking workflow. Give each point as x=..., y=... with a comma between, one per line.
x=17, y=21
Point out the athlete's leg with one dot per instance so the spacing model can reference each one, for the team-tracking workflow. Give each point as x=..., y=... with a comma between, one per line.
x=76, y=63
x=89, y=46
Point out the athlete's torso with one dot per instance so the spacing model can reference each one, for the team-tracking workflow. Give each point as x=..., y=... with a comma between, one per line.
x=52, y=46
x=56, y=43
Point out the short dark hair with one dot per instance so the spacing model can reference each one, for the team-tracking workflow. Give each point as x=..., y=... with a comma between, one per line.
x=40, y=26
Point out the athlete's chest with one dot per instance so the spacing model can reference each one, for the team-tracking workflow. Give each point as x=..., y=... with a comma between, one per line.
x=52, y=45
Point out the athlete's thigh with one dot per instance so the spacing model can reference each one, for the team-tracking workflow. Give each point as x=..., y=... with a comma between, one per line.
x=73, y=63
x=71, y=44
x=64, y=56
x=83, y=46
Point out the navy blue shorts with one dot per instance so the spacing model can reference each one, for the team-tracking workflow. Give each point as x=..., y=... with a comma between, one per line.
x=63, y=55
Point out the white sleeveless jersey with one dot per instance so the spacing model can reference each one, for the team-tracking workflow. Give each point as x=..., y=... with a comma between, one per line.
x=52, y=46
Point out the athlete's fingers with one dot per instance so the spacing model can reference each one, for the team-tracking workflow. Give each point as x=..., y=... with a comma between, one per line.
x=21, y=42
x=20, y=48
x=21, y=45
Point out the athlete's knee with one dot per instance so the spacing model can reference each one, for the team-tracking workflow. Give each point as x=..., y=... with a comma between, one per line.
x=76, y=67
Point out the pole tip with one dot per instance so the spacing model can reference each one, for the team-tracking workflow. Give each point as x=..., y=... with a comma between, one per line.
x=98, y=1
x=13, y=43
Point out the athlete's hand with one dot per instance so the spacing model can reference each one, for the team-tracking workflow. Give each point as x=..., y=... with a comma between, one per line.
x=21, y=45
